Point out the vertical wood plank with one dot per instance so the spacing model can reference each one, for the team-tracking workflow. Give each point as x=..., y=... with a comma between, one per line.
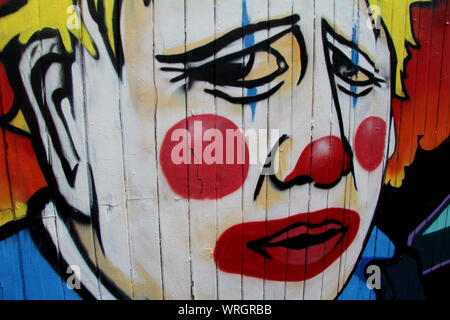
x=8, y=289
x=11, y=288
x=321, y=121
x=253, y=288
x=437, y=98
x=138, y=99
x=347, y=106
x=348, y=117
x=104, y=124
x=34, y=289
x=137, y=104
x=301, y=125
x=228, y=16
x=279, y=123
x=203, y=213
x=68, y=239
x=362, y=194
x=174, y=218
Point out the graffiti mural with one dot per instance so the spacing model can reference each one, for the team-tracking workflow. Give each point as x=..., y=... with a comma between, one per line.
x=240, y=149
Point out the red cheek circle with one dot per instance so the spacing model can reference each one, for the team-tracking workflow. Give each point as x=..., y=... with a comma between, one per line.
x=199, y=166
x=370, y=142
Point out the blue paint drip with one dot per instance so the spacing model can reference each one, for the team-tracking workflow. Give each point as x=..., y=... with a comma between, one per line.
x=355, y=60
x=249, y=40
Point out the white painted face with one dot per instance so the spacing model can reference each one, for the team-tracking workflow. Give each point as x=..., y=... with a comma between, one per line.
x=310, y=75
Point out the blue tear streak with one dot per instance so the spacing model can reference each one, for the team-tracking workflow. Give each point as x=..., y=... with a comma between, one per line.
x=355, y=60
x=249, y=40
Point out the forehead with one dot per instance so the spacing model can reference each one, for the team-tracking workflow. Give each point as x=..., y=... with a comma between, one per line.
x=204, y=18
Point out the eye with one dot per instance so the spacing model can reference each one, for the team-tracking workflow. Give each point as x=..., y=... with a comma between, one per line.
x=348, y=71
x=343, y=66
x=255, y=70
x=353, y=68
x=251, y=68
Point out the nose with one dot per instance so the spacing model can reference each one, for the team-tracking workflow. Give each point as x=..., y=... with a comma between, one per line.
x=324, y=161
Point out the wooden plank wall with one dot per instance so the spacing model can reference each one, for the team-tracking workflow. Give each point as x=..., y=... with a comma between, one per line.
x=341, y=97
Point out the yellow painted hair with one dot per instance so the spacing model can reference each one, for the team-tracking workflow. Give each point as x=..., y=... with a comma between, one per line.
x=37, y=15
x=396, y=16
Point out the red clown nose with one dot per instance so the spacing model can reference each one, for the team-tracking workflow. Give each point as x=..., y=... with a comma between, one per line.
x=324, y=161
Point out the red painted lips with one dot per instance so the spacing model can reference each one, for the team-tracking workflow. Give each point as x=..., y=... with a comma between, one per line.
x=290, y=249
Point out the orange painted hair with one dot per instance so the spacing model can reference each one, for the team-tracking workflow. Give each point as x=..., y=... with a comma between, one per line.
x=423, y=119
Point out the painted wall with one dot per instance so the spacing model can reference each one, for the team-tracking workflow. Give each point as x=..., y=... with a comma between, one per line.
x=239, y=149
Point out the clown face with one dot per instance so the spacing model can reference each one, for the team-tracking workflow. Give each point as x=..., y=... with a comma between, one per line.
x=239, y=154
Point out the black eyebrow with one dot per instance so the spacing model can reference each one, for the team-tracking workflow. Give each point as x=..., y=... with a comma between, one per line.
x=208, y=50
x=339, y=38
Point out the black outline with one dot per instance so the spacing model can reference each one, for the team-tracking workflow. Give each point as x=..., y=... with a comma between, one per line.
x=12, y=6
x=98, y=14
x=347, y=147
x=295, y=243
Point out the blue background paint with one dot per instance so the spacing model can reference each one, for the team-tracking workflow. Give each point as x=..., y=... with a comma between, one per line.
x=26, y=274
x=378, y=247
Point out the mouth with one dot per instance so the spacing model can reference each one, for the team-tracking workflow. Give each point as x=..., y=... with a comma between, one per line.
x=291, y=249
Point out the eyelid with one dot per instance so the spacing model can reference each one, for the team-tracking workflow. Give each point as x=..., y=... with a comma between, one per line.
x=208, y=50
x=363, y=61
x=338, y=41
x=261, y=42
x=362, y=93
x=263, y=45
x=371, y=78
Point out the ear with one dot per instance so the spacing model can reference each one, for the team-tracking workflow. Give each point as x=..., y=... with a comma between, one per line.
x=55, y=116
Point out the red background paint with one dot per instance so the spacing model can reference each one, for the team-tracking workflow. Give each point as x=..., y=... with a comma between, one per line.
x=369, y=142
x=20, y=174
x=204, y=181
x=421, y=122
